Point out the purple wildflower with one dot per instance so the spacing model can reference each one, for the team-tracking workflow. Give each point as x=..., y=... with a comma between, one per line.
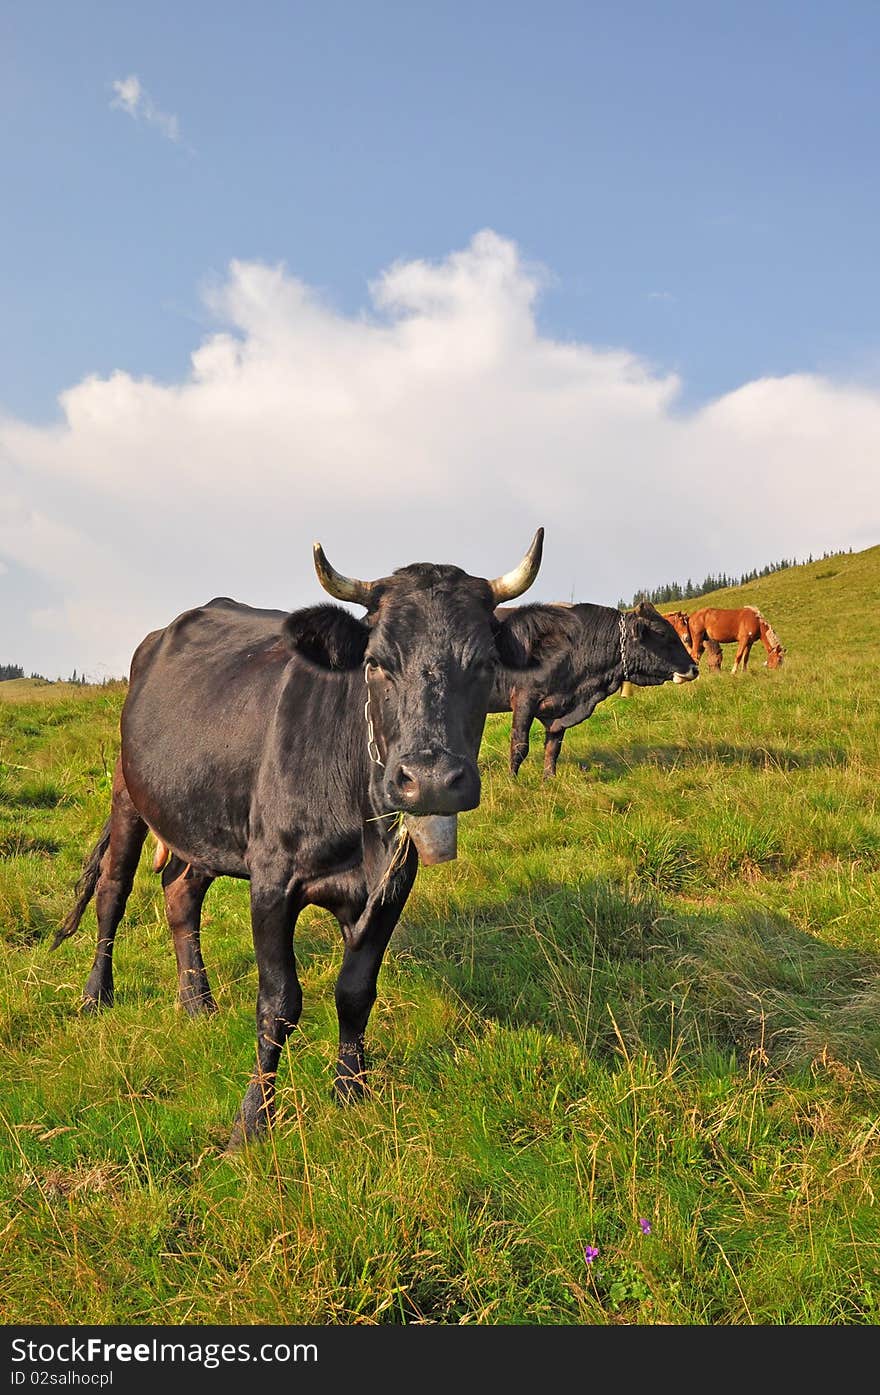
x=645, y=1226
x=590, y=1253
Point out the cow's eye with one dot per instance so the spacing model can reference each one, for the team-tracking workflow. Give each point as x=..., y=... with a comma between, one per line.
x=477, y=664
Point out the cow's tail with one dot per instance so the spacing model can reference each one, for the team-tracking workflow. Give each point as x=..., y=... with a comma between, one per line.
x=85, y=887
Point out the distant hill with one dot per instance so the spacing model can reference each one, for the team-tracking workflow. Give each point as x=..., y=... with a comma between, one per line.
x=832, y=603
x=675, y=592
x=42, y=690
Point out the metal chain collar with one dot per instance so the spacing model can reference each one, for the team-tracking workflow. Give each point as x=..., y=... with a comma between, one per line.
x=372, y=747
x=622, y=628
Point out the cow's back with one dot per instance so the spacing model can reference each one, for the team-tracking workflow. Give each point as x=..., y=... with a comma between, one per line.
x=202, y=695
x=219, y=660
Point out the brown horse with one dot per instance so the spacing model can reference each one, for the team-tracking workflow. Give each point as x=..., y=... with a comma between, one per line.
x=741, y=627
x=681, y=623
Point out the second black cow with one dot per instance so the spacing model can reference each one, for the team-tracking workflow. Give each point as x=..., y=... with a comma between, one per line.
x=571, y=657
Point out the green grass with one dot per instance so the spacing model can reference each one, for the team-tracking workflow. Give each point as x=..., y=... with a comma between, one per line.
x=648, y=989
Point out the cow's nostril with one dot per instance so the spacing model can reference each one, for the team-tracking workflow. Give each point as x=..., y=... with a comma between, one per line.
x=406, y=781
x=453, y=778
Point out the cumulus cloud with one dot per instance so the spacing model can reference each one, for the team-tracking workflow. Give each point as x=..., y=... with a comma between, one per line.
x=438, y=424
x=130, y=96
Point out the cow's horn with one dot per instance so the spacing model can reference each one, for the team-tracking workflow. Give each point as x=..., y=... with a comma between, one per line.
x=344, y=588
x=512, y=584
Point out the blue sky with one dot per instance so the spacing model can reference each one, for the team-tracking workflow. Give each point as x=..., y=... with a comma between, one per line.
x=700, y=179
x=691, y=184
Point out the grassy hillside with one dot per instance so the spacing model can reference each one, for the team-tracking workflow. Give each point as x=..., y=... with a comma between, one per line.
x=821, y=605
x=646, y=991
x=41, y=690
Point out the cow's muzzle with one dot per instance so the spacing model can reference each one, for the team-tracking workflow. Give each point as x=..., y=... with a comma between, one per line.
x=687, y=676
x=425, y=782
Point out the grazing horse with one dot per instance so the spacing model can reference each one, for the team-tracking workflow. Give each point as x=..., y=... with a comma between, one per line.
x=681, y=623
x=742, y=627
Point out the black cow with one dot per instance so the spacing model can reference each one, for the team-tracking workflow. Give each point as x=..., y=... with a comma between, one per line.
x=281, y=749
x=573, y=656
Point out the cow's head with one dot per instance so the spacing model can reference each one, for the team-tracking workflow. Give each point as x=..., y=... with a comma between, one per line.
x=651, y=650
x=429, y=647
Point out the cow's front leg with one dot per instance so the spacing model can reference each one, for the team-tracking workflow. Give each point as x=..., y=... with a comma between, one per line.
x=367, y=939
x=279, y=1003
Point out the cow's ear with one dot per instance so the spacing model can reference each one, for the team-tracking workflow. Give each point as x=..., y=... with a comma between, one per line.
x=529, y=636
x=645, y=612
x=328, y=636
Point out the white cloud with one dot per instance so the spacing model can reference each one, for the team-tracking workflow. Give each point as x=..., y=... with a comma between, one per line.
x=439, y=424
x=127, y=94
x=130, y=96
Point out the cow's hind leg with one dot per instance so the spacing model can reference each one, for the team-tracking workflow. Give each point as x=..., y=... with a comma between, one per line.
x=523, y=716
x=118, y=867
x=552, y=747
x=185, y=889
x=279, y=1001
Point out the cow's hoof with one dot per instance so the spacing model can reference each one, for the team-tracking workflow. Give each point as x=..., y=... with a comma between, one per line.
x=197, y=1006
x=236, y=1141
x=93, y=1003
x=244, y=1135
x=350, y=1089
x=254, y=1118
